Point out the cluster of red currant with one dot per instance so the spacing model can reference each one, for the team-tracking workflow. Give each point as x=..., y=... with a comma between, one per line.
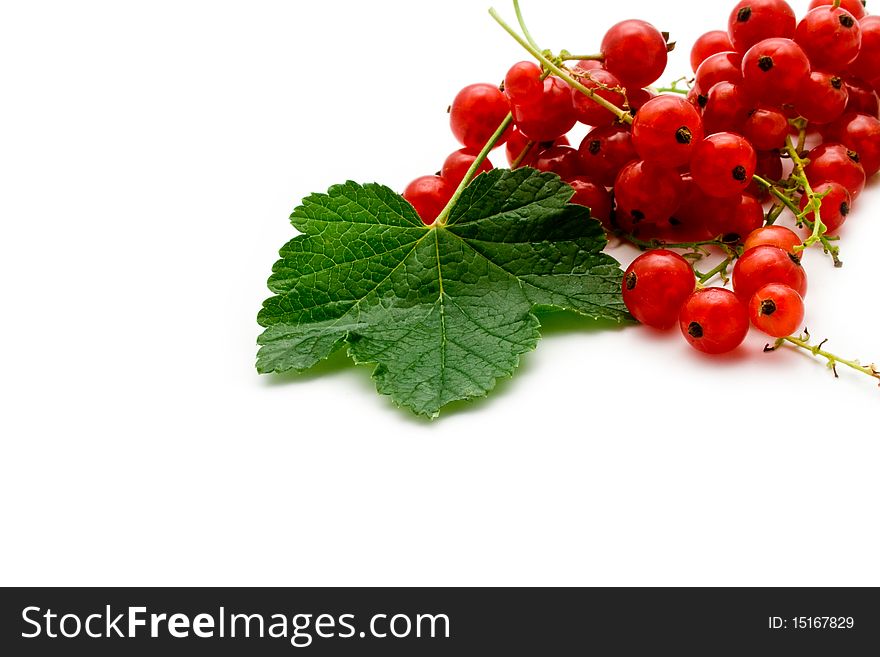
x=704, y=166
x=758, y=86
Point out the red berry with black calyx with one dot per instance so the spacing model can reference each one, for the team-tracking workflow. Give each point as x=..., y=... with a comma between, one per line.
x=723, y=164
x=774, y=70
x=635, y=52
x=860, y=133
x=523, y=84
x=766, y=129
x=867, y=65
x=647, y=193
x=458, y=163
x=655, y=287
x=830, y=37
x=778, y=236
x=589, y=193
x=862, y=99
x=707, y=45
x=836, y=163
x=777, y=310
x=606, y=86
x=721, y=67
x=550, y=117
x=666, y=130
x=714, y=321
x=725, y=108
x=764, y=265
x=835, y=207
x=561, y=160
x=823, y=98
x=476, y=113
x=752, y=21
x=855, y=7
x=605, y=151
x=429, y=195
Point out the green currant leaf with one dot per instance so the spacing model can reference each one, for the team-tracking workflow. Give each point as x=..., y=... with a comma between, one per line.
x=443, y=312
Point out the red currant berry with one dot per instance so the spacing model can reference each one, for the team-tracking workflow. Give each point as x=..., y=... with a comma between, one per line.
x=855, y=7
x=747, y=218
x=766, y=129
x=523, y=83
x=549, y=118
x=823, y=98
x=835, y=206
x=721, y=67
x=830, y=37
x=867, y=64
x=723, y=164
x=699, y=216
x=707, y=45
x=714, y=321
x=725, y=108
x=604, y=85
x=585, y=65
x=648, y=193
x=476, y=113
x=656, y=286
x=561, y=160
x=635, y=52
x=862, y=98
x=769, y=168
x=638, y=98
x=861, y=133
x=429, y=195
x=591, y=194
x=836, y=163
x=752, y=21
x=777, y=310
x=778, y=236
x=457, y=164
x=764, y=265
x=517, y=143
x=604, y=152
x=666, y=130
x=774, y=70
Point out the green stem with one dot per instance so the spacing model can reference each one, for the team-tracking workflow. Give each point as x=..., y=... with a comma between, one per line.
x=801, y=217
x=814, y=201
x=774, y=213
x=803, y=342
x=672, y=90
x=621, y=115
x=568, y=57
x=779, y=194
x=720, y=269
x=522, y=156
x=522, y=25
x=472, y=172
x=689, y=246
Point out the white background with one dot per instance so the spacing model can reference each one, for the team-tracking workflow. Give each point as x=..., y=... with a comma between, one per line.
x=150, y=156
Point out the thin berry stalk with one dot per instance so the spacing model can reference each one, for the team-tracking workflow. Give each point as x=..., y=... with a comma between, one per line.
x=803, y=342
